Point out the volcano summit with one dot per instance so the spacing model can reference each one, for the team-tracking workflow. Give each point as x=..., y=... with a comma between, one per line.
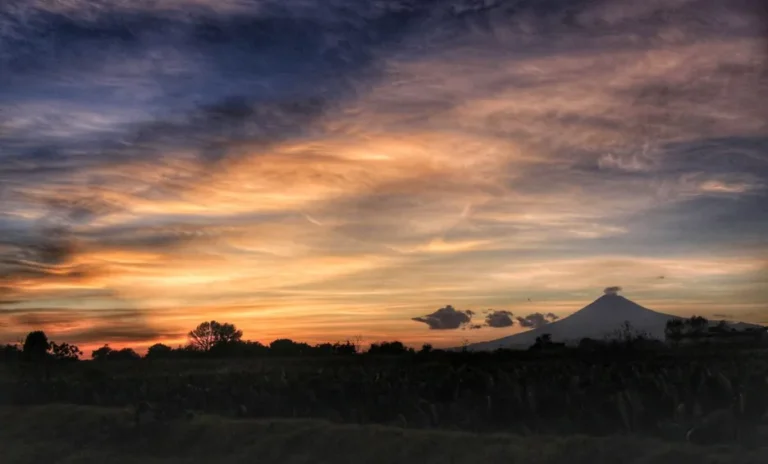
x=597, y=320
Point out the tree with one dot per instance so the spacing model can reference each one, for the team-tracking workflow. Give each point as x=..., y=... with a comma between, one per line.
x=105, y=353
x=123, y=354
x=696, y=325
x=238, y=348
x=721, y=327
x=36, y=346
x=10, y=353
x=590, y=344
x=389, y=348
x=208, y=334
x=287, y=347
x=674, y=329
x=65, y=352
x=323, y=349
x=158, y=351
x=544, y=342
x=425, y=349
x=346, y=348
x=627, y=336
x=101, y=354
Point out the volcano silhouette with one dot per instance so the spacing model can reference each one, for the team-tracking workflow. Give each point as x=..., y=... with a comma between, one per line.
x=598, y=320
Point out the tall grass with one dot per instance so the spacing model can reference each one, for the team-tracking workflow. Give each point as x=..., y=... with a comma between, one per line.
x=69, y=434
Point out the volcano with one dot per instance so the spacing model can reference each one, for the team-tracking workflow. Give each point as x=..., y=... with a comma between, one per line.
x=599, y=319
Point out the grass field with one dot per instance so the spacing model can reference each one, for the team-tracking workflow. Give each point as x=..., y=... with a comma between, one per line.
x=77, y=434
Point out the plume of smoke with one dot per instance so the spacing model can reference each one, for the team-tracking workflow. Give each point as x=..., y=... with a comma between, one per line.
x=612, y=290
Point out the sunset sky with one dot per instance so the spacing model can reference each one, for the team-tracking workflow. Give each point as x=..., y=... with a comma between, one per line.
x=333, y=169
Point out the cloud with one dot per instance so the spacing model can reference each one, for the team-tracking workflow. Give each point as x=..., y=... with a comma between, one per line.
x=91, y=327
x=612, y=290
x=499, y=318
x=536, y=320
x=44, y=256
x=441, y=153
x=447, y=318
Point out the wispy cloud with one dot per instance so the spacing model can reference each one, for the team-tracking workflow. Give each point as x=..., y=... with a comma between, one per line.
x=328, y=169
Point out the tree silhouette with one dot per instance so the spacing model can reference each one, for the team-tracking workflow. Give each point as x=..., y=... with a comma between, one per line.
x=721, y=327
x=346, y=348
x=101, y=354
x=674, y=330
x=286, y=347
x=158, y=350
x=697, y=324
x=544, y=341
x=36, y=346
x=590, y=344
x=208, y=334
x=65, y=352
x=106, y=353
x=10, y=353
x=236, y=348
x=124, y=354
x=326, y=349
x=626, y=334
x=389, y=348
x=694, y=327
x=323, y=349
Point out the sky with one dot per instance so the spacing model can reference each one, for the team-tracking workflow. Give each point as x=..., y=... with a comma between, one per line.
x=424, y=171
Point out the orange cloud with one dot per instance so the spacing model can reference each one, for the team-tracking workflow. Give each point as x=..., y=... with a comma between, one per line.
x=474, y=174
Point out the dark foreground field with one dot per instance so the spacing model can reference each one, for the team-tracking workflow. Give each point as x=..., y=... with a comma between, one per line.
x=656, y=408
x=86, y=434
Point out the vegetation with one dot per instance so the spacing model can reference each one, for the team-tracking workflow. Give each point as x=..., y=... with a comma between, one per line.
x=627, y=385
x=76, y=434
x=105, y=353
x=209, y=334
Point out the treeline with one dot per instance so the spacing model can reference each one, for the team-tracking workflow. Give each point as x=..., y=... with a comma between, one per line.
x=224, y=340
x=229, y=349
x=208, y=340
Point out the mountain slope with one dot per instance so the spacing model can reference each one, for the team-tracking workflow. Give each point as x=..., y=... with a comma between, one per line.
x=597, y=320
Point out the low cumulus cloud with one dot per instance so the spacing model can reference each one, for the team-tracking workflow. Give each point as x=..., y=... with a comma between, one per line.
x=536, y=320
x=447, y=318
x=499, y=319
